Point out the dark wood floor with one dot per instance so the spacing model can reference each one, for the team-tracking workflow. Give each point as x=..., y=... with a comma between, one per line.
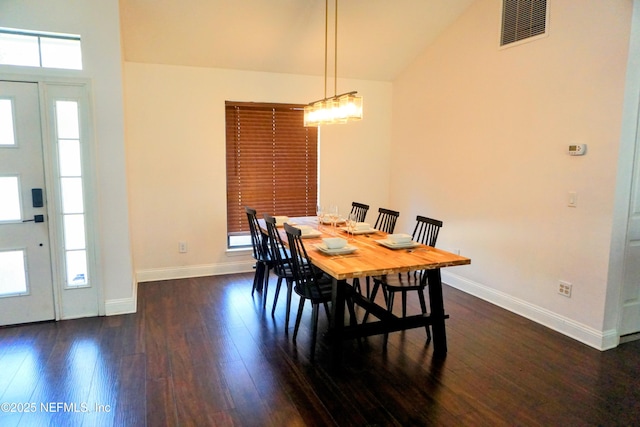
x=202, y=352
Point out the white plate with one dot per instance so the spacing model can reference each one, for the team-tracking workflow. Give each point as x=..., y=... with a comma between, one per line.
x=327, y=221
x=312, y=235
x=293, y=224
x=346, y=250
x=389, y=244
x=369, y=231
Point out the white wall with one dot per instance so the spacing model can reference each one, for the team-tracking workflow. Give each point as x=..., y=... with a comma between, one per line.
x=479, y=141
x=175, y=134
x=97, y=22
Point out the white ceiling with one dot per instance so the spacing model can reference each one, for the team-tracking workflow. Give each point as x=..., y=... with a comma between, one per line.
x=377, y=39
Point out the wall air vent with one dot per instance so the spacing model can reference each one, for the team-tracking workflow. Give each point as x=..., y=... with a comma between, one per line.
x=523, y=19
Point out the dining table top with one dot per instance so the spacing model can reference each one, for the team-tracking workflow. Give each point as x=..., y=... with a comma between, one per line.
x=371, y=257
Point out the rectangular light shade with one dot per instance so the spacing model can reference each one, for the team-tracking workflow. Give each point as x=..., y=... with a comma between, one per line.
x=340, y=109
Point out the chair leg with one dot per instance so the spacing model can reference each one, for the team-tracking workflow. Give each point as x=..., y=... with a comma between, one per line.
x=257, y=278
x=253, y=286
x=275, y=298
x=423, y=307
x=326, y=309
x=385, y=294
x=298, y=317
x=267, y=272
x=314, y=332
x=356, y=285
x=374, y=292
x=288, y=313
x=265, y=286
x=368, y=279
x=352, y=312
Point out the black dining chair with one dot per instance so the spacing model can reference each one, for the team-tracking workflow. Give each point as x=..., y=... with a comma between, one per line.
x=311, y=284
x=282, y=266
x=359, y=210
x=385, y=222
x=426, y=232
x=264, y=263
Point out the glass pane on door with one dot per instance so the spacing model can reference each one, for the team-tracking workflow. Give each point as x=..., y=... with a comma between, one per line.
x=7, y=135
x=77, y=268
x=72, y=201
x=67, y=120
x=9, y=199
x=13, y=277
x=70, y=160
x=74, y=232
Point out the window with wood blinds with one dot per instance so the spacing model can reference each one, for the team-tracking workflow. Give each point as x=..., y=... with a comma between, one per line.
x=272, y=164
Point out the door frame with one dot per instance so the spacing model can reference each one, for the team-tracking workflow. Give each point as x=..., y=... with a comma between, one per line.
x=65, y=299
x=629, y=153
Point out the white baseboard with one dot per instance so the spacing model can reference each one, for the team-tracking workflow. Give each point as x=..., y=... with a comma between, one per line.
x=601, y=340
x=121, y=306
x=129, y=305
x=170, y=273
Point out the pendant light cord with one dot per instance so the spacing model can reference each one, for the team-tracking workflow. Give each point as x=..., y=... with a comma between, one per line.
x=335, y=48
x=326, y=32
x=335, y=61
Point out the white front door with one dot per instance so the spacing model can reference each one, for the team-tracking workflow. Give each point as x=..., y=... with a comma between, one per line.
x=26, y=287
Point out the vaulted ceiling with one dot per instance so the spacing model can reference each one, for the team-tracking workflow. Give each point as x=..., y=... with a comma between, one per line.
x=377, y=39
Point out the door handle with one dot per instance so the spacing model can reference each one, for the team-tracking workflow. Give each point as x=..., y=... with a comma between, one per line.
x=36, y=218
x=36, y=198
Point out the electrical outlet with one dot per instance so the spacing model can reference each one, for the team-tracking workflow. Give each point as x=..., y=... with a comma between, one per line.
x=564, y=289
x=182, y=247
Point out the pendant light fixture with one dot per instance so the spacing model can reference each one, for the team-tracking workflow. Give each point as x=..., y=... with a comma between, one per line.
x=338, y=108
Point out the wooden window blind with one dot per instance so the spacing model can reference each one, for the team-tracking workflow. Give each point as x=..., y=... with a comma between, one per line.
x=272, y=162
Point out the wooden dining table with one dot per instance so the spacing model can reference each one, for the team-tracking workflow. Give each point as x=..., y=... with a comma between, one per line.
x=371, y=258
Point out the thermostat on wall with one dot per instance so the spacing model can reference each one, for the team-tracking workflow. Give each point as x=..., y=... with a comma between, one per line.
x=577, y=149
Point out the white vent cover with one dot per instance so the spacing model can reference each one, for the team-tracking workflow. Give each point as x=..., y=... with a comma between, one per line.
x=522, y=19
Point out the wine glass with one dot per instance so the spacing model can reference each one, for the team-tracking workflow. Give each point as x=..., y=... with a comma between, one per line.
x=320, y=212
x=351, y=224
x=333, y=214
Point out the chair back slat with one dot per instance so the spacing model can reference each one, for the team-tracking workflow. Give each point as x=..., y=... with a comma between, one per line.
x=386, y=220
x=426, y=230
x=277, y=248
x=258, y=242
x=359, y=210
x=305, y=274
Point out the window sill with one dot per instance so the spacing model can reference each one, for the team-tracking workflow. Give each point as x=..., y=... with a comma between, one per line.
x=239, y=251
